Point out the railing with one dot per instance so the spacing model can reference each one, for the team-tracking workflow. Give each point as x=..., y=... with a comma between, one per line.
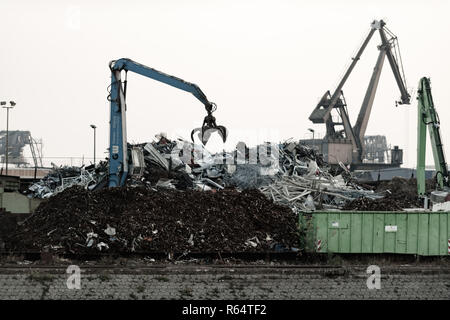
x=27, y=162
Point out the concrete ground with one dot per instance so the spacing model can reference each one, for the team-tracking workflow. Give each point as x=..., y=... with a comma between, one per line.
x=244, y=281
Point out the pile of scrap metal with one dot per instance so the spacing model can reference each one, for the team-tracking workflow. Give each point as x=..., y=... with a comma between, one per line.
x=159, y=220
x=63, y=177
x=305, y=182
x=176, y=164
x=180, y=165
x=184, y=165
x=288, y=173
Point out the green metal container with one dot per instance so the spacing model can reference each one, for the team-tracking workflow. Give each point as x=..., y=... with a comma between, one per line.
x=421, y=233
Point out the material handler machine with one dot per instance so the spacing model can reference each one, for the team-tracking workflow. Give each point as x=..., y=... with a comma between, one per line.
x=428, y=117
x=121, y=157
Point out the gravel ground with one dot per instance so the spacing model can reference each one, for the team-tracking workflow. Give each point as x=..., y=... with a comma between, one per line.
x=253, y=282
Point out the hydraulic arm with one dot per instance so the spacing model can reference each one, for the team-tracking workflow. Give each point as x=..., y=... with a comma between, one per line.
x=428, y=117
x=118, y=152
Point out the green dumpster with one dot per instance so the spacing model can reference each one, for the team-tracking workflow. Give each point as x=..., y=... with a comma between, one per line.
x=413, y=232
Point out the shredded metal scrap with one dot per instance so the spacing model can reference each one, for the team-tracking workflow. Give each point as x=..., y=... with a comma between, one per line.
x=127, y=219
x=287, y=173
x=326, y=191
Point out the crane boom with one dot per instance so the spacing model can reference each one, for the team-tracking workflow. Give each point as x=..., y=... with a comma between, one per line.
x=366, y=107
x=130, y=65
x=321, y=114
x=401, y=82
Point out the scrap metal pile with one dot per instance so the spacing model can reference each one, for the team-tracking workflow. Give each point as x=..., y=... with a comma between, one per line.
x=306, y=183
x=288, y=173
x=399, y=193
x=143, y=219
x=63, y=177
x=180, y=165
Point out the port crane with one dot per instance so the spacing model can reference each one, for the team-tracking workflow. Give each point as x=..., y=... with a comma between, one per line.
x=347, y=144
x=120, y=156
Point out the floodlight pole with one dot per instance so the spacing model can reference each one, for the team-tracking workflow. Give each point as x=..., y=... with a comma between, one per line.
x=11, y=105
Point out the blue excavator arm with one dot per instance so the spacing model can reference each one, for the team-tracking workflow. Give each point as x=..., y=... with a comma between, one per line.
x=118, y=152
x=130, y=65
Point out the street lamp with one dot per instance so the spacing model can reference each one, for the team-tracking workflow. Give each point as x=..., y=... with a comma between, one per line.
x=94, y=127
x=311, y=130
x=11, y=104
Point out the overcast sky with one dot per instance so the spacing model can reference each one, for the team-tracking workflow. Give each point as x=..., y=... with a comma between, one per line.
x=264, y=63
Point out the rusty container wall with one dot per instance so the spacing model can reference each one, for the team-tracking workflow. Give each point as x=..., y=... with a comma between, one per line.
x=420, y=233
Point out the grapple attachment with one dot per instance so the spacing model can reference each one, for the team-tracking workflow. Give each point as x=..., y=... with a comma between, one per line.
x=204, y=133
x=209, y=126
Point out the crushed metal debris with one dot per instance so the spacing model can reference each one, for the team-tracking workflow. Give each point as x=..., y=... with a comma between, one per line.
x=287, y=173
x=133, y=219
